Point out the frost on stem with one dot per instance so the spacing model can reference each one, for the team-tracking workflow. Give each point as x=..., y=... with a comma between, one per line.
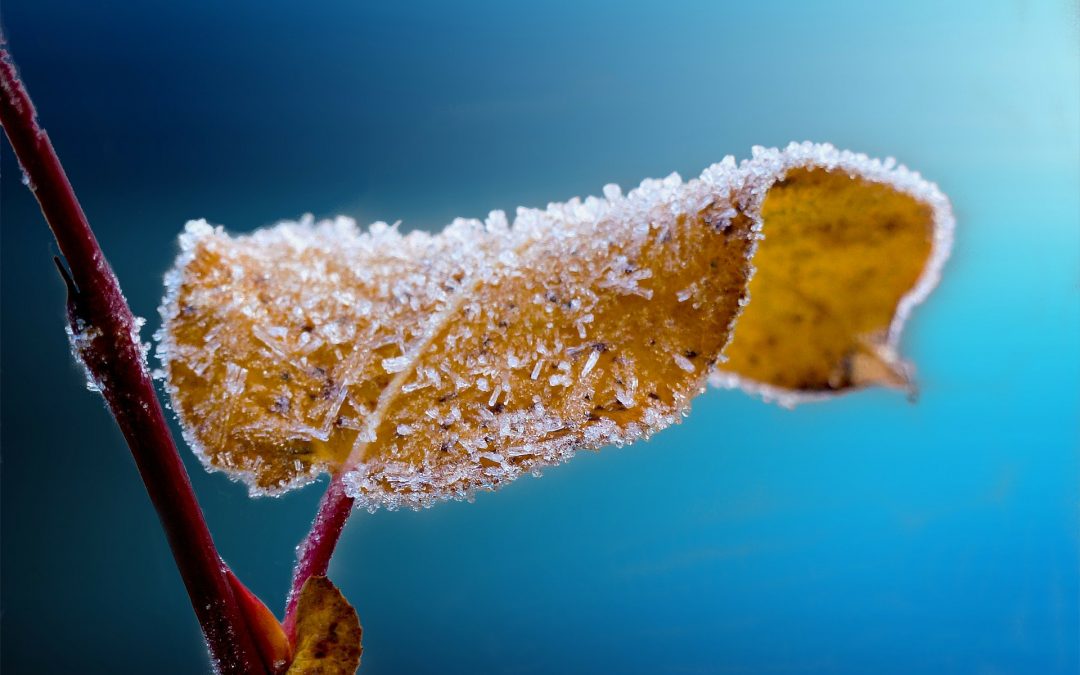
x=427, y=366
x=81, y=337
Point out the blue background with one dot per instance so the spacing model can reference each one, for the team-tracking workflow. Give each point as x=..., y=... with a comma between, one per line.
x=863, y=535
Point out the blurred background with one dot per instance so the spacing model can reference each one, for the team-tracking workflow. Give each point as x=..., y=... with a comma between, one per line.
x=863, y=535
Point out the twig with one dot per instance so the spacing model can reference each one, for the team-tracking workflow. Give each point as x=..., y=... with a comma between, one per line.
x=106, y=338
x=313, y=554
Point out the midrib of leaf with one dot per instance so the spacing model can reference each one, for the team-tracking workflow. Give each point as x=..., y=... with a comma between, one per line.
x=389, y=395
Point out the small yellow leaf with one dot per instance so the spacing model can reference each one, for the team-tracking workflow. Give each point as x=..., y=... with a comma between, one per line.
x=428, y=366
x=328, y=631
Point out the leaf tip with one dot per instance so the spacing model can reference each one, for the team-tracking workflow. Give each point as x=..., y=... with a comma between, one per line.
x=328, y=631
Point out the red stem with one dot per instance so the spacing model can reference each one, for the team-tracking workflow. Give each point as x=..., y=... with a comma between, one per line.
x=313, y=554
x=111, y=351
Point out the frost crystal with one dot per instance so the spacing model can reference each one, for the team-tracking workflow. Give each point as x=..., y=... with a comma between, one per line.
x=81, y=336
x=396, y=364
x=590, y=363
x=684, y=363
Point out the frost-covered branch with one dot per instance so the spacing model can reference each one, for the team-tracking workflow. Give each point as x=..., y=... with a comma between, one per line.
x=106, y=338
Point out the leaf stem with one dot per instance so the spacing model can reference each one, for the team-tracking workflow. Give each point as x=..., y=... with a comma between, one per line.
x=313, y=554
x=107, y=339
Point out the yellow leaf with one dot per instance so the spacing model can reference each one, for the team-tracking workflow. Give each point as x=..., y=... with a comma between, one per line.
x=849, y=247
x=428, y=366
x=327, y=631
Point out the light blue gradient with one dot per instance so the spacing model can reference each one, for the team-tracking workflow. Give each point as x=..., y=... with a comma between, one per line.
x=863, y=535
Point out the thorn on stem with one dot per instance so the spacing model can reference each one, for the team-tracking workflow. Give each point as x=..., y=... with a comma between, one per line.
x=72, y=289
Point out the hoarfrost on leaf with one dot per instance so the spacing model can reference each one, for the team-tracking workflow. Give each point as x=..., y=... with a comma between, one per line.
x=429, y=366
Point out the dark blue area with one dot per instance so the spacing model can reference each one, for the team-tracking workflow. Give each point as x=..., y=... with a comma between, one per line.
x=863, y=535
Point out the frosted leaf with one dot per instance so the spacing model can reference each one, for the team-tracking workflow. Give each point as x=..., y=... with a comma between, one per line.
x=500, y=311
x=427, y=366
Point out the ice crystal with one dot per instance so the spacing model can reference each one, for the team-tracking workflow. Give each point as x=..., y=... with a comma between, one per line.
x=81, y=337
